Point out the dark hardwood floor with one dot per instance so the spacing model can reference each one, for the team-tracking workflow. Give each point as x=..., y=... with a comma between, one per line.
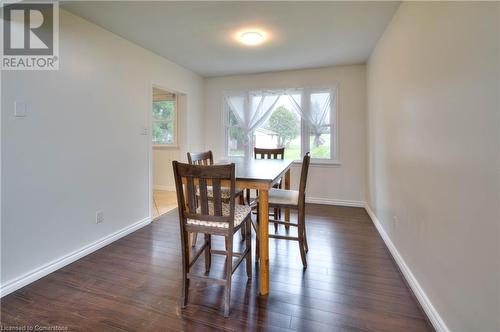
x=351, y=284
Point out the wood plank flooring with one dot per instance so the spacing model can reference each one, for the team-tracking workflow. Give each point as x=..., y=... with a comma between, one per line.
x=133, y=284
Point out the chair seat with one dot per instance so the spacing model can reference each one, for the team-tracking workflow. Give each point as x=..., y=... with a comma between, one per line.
x=253, y=196
x=224, y=192
x=281, y=197
x=240, y=213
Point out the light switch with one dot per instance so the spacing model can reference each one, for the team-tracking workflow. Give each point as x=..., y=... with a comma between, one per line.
x=20, y=109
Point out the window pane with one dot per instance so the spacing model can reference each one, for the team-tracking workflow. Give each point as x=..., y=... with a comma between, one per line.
x=163, y=132
x=320, y=143
x=163, y=110
x=319, y=126
x=282, y=129
x=164, y=117
x=235, y=141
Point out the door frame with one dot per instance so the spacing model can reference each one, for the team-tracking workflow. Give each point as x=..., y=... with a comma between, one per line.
x=181, y=121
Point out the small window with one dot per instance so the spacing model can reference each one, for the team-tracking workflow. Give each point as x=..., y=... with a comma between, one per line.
x=164, y=124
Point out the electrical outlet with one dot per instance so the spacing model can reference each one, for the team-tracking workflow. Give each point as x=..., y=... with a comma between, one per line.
x=99, y=217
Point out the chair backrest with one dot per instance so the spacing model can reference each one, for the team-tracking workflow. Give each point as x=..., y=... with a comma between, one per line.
x=191, y=182
x=201, y=158
x=261, y=153
x=303, y=178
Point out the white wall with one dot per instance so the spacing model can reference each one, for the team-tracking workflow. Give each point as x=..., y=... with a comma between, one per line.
x=433, y=154
x=79, y=150
x=498, y=172
x=163, y=174
x=345, y=183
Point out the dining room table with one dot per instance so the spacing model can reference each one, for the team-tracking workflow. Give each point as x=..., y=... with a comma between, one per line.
x=262, y=175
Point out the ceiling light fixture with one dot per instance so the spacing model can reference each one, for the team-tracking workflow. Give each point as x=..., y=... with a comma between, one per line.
x=251, y=38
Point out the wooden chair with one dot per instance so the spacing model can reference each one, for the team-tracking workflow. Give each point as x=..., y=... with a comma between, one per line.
x=199, y=214
x=206, y=158
x=264, y=153
x=275, y=153
x=292, y=199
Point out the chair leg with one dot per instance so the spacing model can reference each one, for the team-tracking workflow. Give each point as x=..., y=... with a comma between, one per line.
x=302, y=235
x=243, y=233
x=208, y=254
x=257, y=248
x=242, y=229
x=257, y=244
x=280, y=186
x=194, y=238
x=185, y=292
x=185, y=269
x=248, y=238
x=302, y=249
x=275, y=218
x=229, y=274
x=306, y=247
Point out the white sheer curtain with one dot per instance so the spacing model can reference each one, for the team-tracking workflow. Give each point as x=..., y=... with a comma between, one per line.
x=251, y=109
x=315, y=109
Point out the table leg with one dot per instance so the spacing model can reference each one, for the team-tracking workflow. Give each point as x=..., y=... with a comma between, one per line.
x=264, y=241
x=287, y=187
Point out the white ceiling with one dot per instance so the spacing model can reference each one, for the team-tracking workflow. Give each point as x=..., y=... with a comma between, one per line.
x=199, y=35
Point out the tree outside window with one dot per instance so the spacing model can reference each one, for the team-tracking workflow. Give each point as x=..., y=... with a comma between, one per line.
x=164, y=117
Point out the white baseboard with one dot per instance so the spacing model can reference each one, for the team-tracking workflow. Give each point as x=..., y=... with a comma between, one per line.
x=161, y=187
x=46, y=269
x=341, y=202
x=312, y=200
x=419, y=292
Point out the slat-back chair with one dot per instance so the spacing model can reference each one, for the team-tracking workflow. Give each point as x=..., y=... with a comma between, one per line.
x=199, y=214
x=201, y=158
x=207, y=158
x=265, y=153
x=292, y=199
x=275, y=153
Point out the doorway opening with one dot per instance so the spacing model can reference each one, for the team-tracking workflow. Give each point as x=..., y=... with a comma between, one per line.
x=165, y=114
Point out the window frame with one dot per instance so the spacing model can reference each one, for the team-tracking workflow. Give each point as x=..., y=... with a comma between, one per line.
x=175, y=122
x=304, y=126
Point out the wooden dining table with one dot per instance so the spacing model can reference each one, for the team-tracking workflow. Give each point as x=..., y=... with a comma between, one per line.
x=262, y=174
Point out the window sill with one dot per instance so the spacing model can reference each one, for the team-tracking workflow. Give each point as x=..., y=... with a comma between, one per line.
x=320, y=163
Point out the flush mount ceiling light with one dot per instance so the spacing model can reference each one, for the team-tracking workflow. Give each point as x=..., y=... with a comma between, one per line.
x=252, y=37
